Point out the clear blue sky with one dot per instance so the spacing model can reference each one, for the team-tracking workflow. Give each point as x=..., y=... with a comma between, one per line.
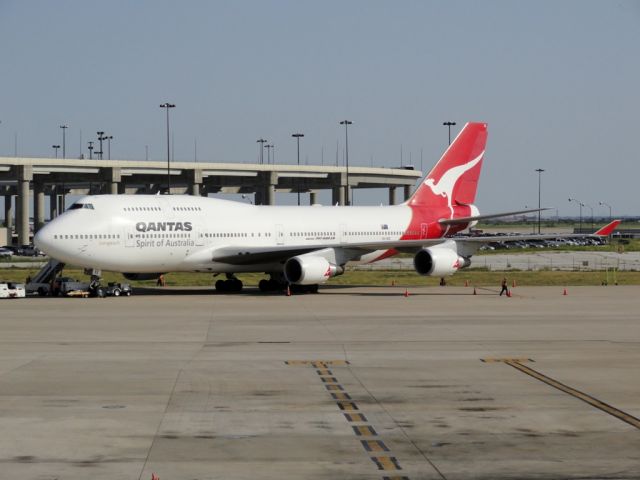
x=557, y=81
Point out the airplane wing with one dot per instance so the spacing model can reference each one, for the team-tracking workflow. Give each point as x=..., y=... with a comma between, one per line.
x=244, y=255
x=247, y=255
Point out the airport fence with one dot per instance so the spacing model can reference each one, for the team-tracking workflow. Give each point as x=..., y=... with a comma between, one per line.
x=570, y=262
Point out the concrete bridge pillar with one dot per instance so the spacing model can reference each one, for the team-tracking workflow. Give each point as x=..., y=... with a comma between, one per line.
x=113, y=177
x=194, y=181
x=407, y=192
x=392, y=195
x=38, y=206
x=268, y=182
x=25, y=176
x=339, y=183
x=8, y=213
x=53, y=205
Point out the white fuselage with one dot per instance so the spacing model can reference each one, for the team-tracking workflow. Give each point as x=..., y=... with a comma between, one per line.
x=154, y=233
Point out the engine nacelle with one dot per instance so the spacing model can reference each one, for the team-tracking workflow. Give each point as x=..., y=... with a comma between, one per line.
x=141, y=276
x=438, y=262
x=310, y=269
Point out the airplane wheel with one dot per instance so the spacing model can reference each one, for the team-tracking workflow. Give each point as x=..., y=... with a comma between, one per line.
x=235, y=285
x=313, y=288
x=263, y=285
x=220, y=286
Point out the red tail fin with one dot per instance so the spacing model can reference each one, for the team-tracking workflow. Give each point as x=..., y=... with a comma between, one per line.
x=608, y=229
x=454, y=179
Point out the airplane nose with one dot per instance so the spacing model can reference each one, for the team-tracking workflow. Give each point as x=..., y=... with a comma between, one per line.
x=43, y=239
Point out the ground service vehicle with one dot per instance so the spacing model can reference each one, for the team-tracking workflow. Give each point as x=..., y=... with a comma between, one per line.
x=12, y=290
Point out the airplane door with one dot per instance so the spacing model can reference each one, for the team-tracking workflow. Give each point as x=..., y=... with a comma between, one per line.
x=343, y=233
x=199, y=238
x=129, y=237
x=279, y=235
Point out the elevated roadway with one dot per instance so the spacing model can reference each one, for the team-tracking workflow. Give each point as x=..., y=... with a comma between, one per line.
x=25, y=177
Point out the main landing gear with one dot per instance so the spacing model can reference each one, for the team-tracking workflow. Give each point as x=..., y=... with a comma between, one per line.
x=277, y=283
x=230, y=285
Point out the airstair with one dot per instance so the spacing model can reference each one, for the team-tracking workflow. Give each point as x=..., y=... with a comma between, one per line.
x=41, y=282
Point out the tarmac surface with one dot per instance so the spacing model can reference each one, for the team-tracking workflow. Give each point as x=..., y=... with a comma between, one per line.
x=351, y=383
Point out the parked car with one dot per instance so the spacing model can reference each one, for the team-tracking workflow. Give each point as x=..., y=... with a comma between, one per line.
x=12, y=248
x=12, y=290
x=5, y=253
x=29, y=251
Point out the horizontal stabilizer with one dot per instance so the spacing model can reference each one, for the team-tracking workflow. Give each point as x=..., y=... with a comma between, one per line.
x=460, y=220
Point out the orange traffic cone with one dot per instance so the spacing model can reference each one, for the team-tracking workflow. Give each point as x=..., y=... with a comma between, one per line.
x=466, y=283
x=508, y=293
x=564, y=292
x=406, y=292
x=514, y=283
x=393, y=283
x=288, y=291
x=154, y=477
x=474, y=291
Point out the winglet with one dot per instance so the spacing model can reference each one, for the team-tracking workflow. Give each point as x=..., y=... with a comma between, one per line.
x=608, y=229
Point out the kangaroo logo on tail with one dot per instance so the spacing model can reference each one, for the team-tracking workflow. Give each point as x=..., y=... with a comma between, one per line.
x=454, y=178
x=447, y=182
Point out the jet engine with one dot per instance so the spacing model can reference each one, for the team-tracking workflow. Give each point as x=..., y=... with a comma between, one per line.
x=141, y=276
x=439, y=262
x=310, y=269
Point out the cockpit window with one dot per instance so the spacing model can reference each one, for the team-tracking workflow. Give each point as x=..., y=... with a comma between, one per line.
x=75, y=206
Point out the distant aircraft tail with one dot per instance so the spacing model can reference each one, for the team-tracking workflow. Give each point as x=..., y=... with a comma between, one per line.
x=454, y=179
x=608, y=229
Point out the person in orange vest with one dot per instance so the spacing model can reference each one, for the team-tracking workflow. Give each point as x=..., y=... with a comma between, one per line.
x=505, y=289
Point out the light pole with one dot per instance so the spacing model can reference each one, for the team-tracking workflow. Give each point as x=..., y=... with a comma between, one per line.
x=167, y=106
x=591, y=208
x=346, y=124
x=539, y=170
x=298, y=136
x=101, y=137
x=449, y=124
x=268, y=147
x=90, y=147
x=581, y=205
x=108, y=138
x=64, y=148
x=261, y=141
x=607, y=205
x=56, y=147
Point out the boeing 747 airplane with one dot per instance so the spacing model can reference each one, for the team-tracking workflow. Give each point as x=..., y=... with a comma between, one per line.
x=144, y=236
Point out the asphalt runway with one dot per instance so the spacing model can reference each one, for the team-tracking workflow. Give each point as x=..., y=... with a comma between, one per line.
x=352, y=383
